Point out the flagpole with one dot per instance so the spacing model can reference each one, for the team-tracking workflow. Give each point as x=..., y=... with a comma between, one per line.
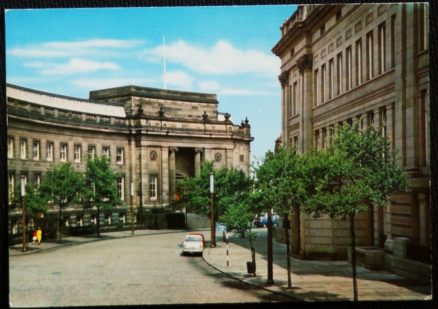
x=164, y=63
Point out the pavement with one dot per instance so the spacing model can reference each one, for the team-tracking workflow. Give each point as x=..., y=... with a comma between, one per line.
x=311, y=280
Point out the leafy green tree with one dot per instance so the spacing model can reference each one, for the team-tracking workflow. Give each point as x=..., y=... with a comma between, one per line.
x=63, y=186
x=358, y=171
x=100, y=186
x=195, y=194
x=279, y=186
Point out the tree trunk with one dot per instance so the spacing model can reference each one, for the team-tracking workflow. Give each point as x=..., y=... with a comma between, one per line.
x=98, y=221
x=286, y=232
x=60, y=223
x=353, y=257
x=270, y=260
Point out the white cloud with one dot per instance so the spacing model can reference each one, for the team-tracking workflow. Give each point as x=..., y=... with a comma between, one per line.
x=220, y=59
x=179, y=79
x=245, y=92
x=72, y=48
x=102, y=83
x=209, y=86
x=78, y=66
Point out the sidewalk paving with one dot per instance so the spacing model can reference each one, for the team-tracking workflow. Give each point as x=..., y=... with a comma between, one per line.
x=311, y=280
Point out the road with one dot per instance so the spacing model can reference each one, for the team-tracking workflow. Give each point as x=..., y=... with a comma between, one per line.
x=146, y=269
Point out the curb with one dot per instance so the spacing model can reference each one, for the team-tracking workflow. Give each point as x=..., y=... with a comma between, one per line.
x=62, y=245
x=248, y=283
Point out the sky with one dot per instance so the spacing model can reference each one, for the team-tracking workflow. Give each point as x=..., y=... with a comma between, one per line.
x=220, y=50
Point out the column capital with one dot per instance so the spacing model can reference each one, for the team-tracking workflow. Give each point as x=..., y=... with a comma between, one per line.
x=173, y=149
x=305, y=62
x=199, y=150
x=284, y=78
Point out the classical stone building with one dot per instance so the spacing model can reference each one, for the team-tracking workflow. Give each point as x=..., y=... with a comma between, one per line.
x=369, y=62
x=151, y=136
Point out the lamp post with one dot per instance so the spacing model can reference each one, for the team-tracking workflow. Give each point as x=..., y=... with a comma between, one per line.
x=23, y=212
x=132, y=208
x=213, y=228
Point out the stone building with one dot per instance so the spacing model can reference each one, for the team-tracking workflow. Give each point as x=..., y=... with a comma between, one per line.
x=152, y=137
x=369, y=62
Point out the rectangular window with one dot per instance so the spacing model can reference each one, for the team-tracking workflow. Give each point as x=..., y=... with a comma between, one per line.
x=91, y=152
x=392, y=41
x=289, y=101
x=423, y=26
x=121, y=187
x=153, y=187
x=330, y=78
x=242, y=158
x=322, y=83
x=23, y=148
x=23, y=181
x=37, y=180
x=296, y=141
x=370, y=118
x=349, y=71
x=63, y=153
x=324, y=138
x=383, y=127
x=122, y=218
x=382, y=48
x=120, y=155
x=316, y=87
x=79, y=220
x=49, y=148
x=11, y=187
x=358, y=62
x=369, y=56
x=106, y=151
x=36, y=150
x=295, y=98
x=317, y=139
x=10, y=147
x=339, y=79
x=77, y=155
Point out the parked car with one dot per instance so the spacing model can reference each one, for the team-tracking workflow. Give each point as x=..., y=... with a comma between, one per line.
x=194, y=243
x=262, y=220
x=220, y=227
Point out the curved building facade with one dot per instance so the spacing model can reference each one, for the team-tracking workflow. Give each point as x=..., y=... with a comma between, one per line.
x=151, y=136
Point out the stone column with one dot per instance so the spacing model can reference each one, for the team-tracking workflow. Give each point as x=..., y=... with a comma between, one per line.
x=411, y=99
x=171, y=174
x=142, y=186
x=284, y=80
x=198, y=152
x=164, y=177
x=305, y=68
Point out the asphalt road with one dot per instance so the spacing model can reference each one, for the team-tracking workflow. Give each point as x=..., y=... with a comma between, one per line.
x=145, y=269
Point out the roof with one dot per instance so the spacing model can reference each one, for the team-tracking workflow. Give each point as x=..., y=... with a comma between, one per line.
x=155, y=93
x=64, y=102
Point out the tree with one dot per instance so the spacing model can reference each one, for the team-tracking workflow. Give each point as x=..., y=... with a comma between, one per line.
x=279, y=186
x=62, y=185
x=359, y=170
x=100, y=186
x=195, y=194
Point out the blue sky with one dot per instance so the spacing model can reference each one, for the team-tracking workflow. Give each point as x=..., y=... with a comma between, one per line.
x=222, y=50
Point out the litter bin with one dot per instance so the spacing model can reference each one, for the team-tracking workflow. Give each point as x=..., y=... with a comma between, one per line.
x=250, y=267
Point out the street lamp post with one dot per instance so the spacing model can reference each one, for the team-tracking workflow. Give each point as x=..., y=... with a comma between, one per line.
x=132, y=208
x=23, y=212
x=213, y=228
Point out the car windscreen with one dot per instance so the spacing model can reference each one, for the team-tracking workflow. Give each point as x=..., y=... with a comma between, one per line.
x=193, y=238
